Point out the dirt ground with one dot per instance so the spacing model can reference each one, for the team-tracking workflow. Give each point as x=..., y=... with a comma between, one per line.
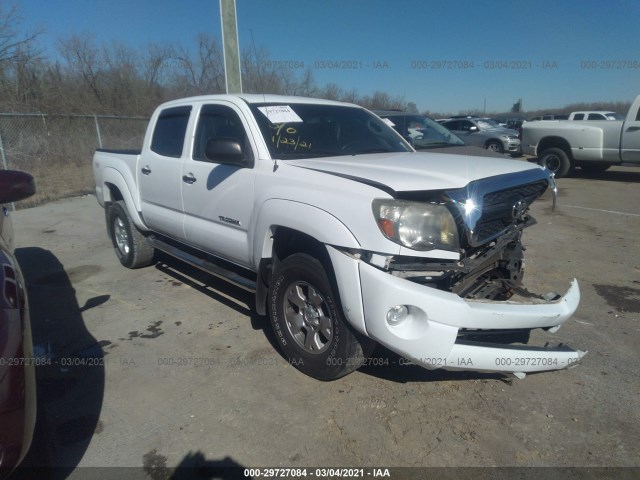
x=179, y=370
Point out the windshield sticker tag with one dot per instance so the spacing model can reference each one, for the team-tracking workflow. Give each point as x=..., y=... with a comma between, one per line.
x=280, y=114
x=388, y=122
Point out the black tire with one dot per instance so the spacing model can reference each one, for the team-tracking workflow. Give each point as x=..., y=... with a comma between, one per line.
x=557, y=161
x=131, y=248
x=300, y=296
x=494, y=146
x=593, y=168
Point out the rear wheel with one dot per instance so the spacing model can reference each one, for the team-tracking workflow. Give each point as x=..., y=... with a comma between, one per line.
x=130, y=246
x=557, y=161
x=308, y=322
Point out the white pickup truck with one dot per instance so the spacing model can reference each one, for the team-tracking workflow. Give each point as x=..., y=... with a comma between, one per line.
x=347, y=236
x=593, y=146
x=595, y=115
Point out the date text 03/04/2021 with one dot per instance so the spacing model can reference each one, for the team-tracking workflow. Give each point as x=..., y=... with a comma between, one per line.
x=316, y=472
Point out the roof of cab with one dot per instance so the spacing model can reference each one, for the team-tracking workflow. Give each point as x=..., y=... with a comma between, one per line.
x=253, y=98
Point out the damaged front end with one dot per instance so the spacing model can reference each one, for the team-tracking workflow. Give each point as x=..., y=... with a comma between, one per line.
x=472, y=312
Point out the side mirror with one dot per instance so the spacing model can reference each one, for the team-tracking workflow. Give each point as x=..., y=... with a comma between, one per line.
x=224, y=150
x=15, y=185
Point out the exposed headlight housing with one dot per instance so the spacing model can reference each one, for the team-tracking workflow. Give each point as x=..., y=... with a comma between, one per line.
x=415, y=225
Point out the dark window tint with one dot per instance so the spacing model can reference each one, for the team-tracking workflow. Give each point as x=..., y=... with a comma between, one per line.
x=596, y=116
x=465, y=125
x=168, y=136
x=217, y=122
x=454, y=125
x=578, y=116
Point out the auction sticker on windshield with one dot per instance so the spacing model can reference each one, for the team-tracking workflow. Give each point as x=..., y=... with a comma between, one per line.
x=280, y=114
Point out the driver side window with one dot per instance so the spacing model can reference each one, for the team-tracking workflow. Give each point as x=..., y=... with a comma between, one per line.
x=217, y=122
x=465, y=125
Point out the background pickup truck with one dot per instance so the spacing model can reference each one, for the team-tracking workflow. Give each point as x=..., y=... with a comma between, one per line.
x=593, y=146
x=591, y=115
x=346, y=235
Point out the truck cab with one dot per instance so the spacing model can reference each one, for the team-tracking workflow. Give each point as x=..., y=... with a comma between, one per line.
x=345, y=234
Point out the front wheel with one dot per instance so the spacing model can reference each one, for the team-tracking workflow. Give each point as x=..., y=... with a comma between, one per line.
x=495, y=146
x=557, y=161
x=131, y=248
x=308, y=322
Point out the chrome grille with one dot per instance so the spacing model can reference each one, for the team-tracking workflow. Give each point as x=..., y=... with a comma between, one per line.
x=497, y=200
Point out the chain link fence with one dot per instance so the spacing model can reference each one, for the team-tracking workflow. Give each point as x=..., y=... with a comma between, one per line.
x=57, y=149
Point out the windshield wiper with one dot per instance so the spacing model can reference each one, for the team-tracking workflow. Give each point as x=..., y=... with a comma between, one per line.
x=372, y=150
x=436, y=144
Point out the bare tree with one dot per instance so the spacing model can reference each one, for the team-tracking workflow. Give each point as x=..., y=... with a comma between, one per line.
x=331, y=91
x=83, y=58
x=155, y=63
x=205, y=74
x=18, y=56
x=12, y=44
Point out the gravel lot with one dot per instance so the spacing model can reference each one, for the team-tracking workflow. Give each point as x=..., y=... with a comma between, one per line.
x=185, y=373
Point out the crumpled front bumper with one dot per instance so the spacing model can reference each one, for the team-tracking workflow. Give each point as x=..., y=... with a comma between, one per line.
x=430, y=334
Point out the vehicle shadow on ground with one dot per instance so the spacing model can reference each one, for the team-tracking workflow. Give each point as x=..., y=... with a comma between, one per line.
x=219, y=290
x=195, y=466
x=383, y=363
x=70, y=387
x=610, y=176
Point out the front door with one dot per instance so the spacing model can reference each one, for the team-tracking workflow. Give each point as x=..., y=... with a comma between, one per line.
x=218, y=197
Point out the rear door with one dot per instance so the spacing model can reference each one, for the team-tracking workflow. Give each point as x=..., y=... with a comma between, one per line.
x=159, y=173
x=630, y=142
x=218, y=197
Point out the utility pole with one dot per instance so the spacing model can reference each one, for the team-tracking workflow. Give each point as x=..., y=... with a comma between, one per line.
x=230, y=46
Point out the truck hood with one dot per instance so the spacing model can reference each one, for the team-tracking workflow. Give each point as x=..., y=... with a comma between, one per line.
x=413, y=171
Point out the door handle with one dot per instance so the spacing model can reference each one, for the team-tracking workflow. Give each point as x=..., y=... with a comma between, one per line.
x=633, y=129
x=189, y=179
x=145, y=170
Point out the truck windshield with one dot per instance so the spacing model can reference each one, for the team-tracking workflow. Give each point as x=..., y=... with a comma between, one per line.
x=311, y=130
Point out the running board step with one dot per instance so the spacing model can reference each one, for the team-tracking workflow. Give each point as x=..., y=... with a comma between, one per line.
x=204, y=265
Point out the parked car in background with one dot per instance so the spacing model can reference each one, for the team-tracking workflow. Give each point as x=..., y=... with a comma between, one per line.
x=516, y=124
x=556, y=116
x=426, y=134
x=17, y=374
x=592, y=146
x=500, y=121
x=485, y=133
x=595, y=116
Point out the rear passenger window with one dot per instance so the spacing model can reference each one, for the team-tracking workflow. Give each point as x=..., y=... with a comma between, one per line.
x=578, y=116
x=171, y=127
x=595, y=116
